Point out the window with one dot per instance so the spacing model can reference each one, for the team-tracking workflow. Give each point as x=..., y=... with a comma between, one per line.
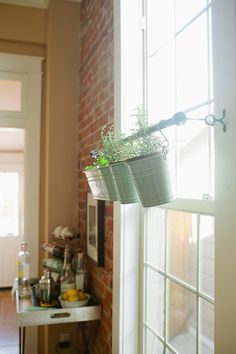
x=179, y=288
x=178, y=282
x=172, y=58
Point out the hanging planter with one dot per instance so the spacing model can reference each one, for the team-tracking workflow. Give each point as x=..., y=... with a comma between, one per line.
x=116, y=150
x=149, y=166
x=151, y=176
x=101, y=184
x=137, y=168
x=124, y=183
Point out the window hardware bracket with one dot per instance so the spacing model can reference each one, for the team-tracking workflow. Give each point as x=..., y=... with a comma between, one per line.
x=211, y=120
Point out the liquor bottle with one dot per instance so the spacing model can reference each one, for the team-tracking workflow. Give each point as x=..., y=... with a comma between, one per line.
x=41, y=283
x=48, y=288
x=80, y=274
x=67, y=278
x=74, y=261
x=23, y=271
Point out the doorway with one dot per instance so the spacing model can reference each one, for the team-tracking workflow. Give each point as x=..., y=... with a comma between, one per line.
x=20, y=116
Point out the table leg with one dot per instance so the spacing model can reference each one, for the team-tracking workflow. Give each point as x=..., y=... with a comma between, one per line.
x=23, y=351
x=21, y=340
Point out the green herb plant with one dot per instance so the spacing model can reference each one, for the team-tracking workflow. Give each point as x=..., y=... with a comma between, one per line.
x=114, y=145
x=144, y=142
x=100, y=161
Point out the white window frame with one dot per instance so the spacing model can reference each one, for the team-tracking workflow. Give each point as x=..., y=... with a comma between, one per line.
x=224, y=49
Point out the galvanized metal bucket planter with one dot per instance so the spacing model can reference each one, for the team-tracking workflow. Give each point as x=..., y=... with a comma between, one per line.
x=101, y=184
x=126, y=189
x=151, y=176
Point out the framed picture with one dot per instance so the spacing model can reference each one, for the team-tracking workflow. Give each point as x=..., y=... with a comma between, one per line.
x=95, y=229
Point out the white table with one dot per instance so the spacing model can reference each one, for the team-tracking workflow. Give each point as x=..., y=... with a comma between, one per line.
x=28, y=315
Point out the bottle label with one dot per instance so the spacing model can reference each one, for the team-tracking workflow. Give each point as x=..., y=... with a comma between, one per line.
x=79, y=279
x=23, y=270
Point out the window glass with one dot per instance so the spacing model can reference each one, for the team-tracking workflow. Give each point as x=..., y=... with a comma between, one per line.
x=179, y=78
x=155, y=301
x=192, y=67
x=186, y=10
x=10, y=95
x=181, y=325
x=153, y=344
x=181, y=250
x=155, y=246
x=207, y=256
x=9, y=204
x=206, y=327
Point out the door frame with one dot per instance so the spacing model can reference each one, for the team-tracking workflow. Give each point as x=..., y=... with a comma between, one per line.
x=29, y=119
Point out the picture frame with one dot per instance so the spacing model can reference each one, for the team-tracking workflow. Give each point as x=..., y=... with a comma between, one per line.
x=95, y=229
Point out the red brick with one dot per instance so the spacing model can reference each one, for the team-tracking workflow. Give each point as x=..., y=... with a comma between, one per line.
x=96, y=108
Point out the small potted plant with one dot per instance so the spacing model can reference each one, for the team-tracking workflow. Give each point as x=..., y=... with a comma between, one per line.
x=100, y=179
x=149, y=165
x=116, y=149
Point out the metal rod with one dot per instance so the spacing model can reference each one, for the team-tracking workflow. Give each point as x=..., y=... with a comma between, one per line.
x=179, y=119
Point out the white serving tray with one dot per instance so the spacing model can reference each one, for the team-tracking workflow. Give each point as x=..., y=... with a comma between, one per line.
x=27, y=315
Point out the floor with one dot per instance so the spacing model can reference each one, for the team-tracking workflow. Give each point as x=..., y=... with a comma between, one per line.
x=8, y=329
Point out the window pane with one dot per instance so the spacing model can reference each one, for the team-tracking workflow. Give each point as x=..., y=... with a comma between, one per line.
x=9, y=204
x=192, y=65
x=160, y=23
x=181, y=246
x=10, y=95
x=161, y=97
x=181, y=324
x=186, y=10
x=195, y=165
x=155, y=243
x=154, y=301
x=206, y=327
x=153, y=345
x=207, y=256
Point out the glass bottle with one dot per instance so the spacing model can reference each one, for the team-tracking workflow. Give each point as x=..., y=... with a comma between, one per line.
x=74, y=261
x=23, y=271
x=48, y=288
x=80, y=274
x=67, y=278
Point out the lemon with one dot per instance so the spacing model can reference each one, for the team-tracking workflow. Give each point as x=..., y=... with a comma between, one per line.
x=82, y=295
x=65, y=296
x=72, y=292
x=73, y=298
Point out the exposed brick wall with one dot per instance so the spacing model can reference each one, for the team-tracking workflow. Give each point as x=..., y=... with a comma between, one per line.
x=95, y=110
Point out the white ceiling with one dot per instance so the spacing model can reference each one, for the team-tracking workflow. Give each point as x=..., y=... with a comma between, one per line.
x=32, y=3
